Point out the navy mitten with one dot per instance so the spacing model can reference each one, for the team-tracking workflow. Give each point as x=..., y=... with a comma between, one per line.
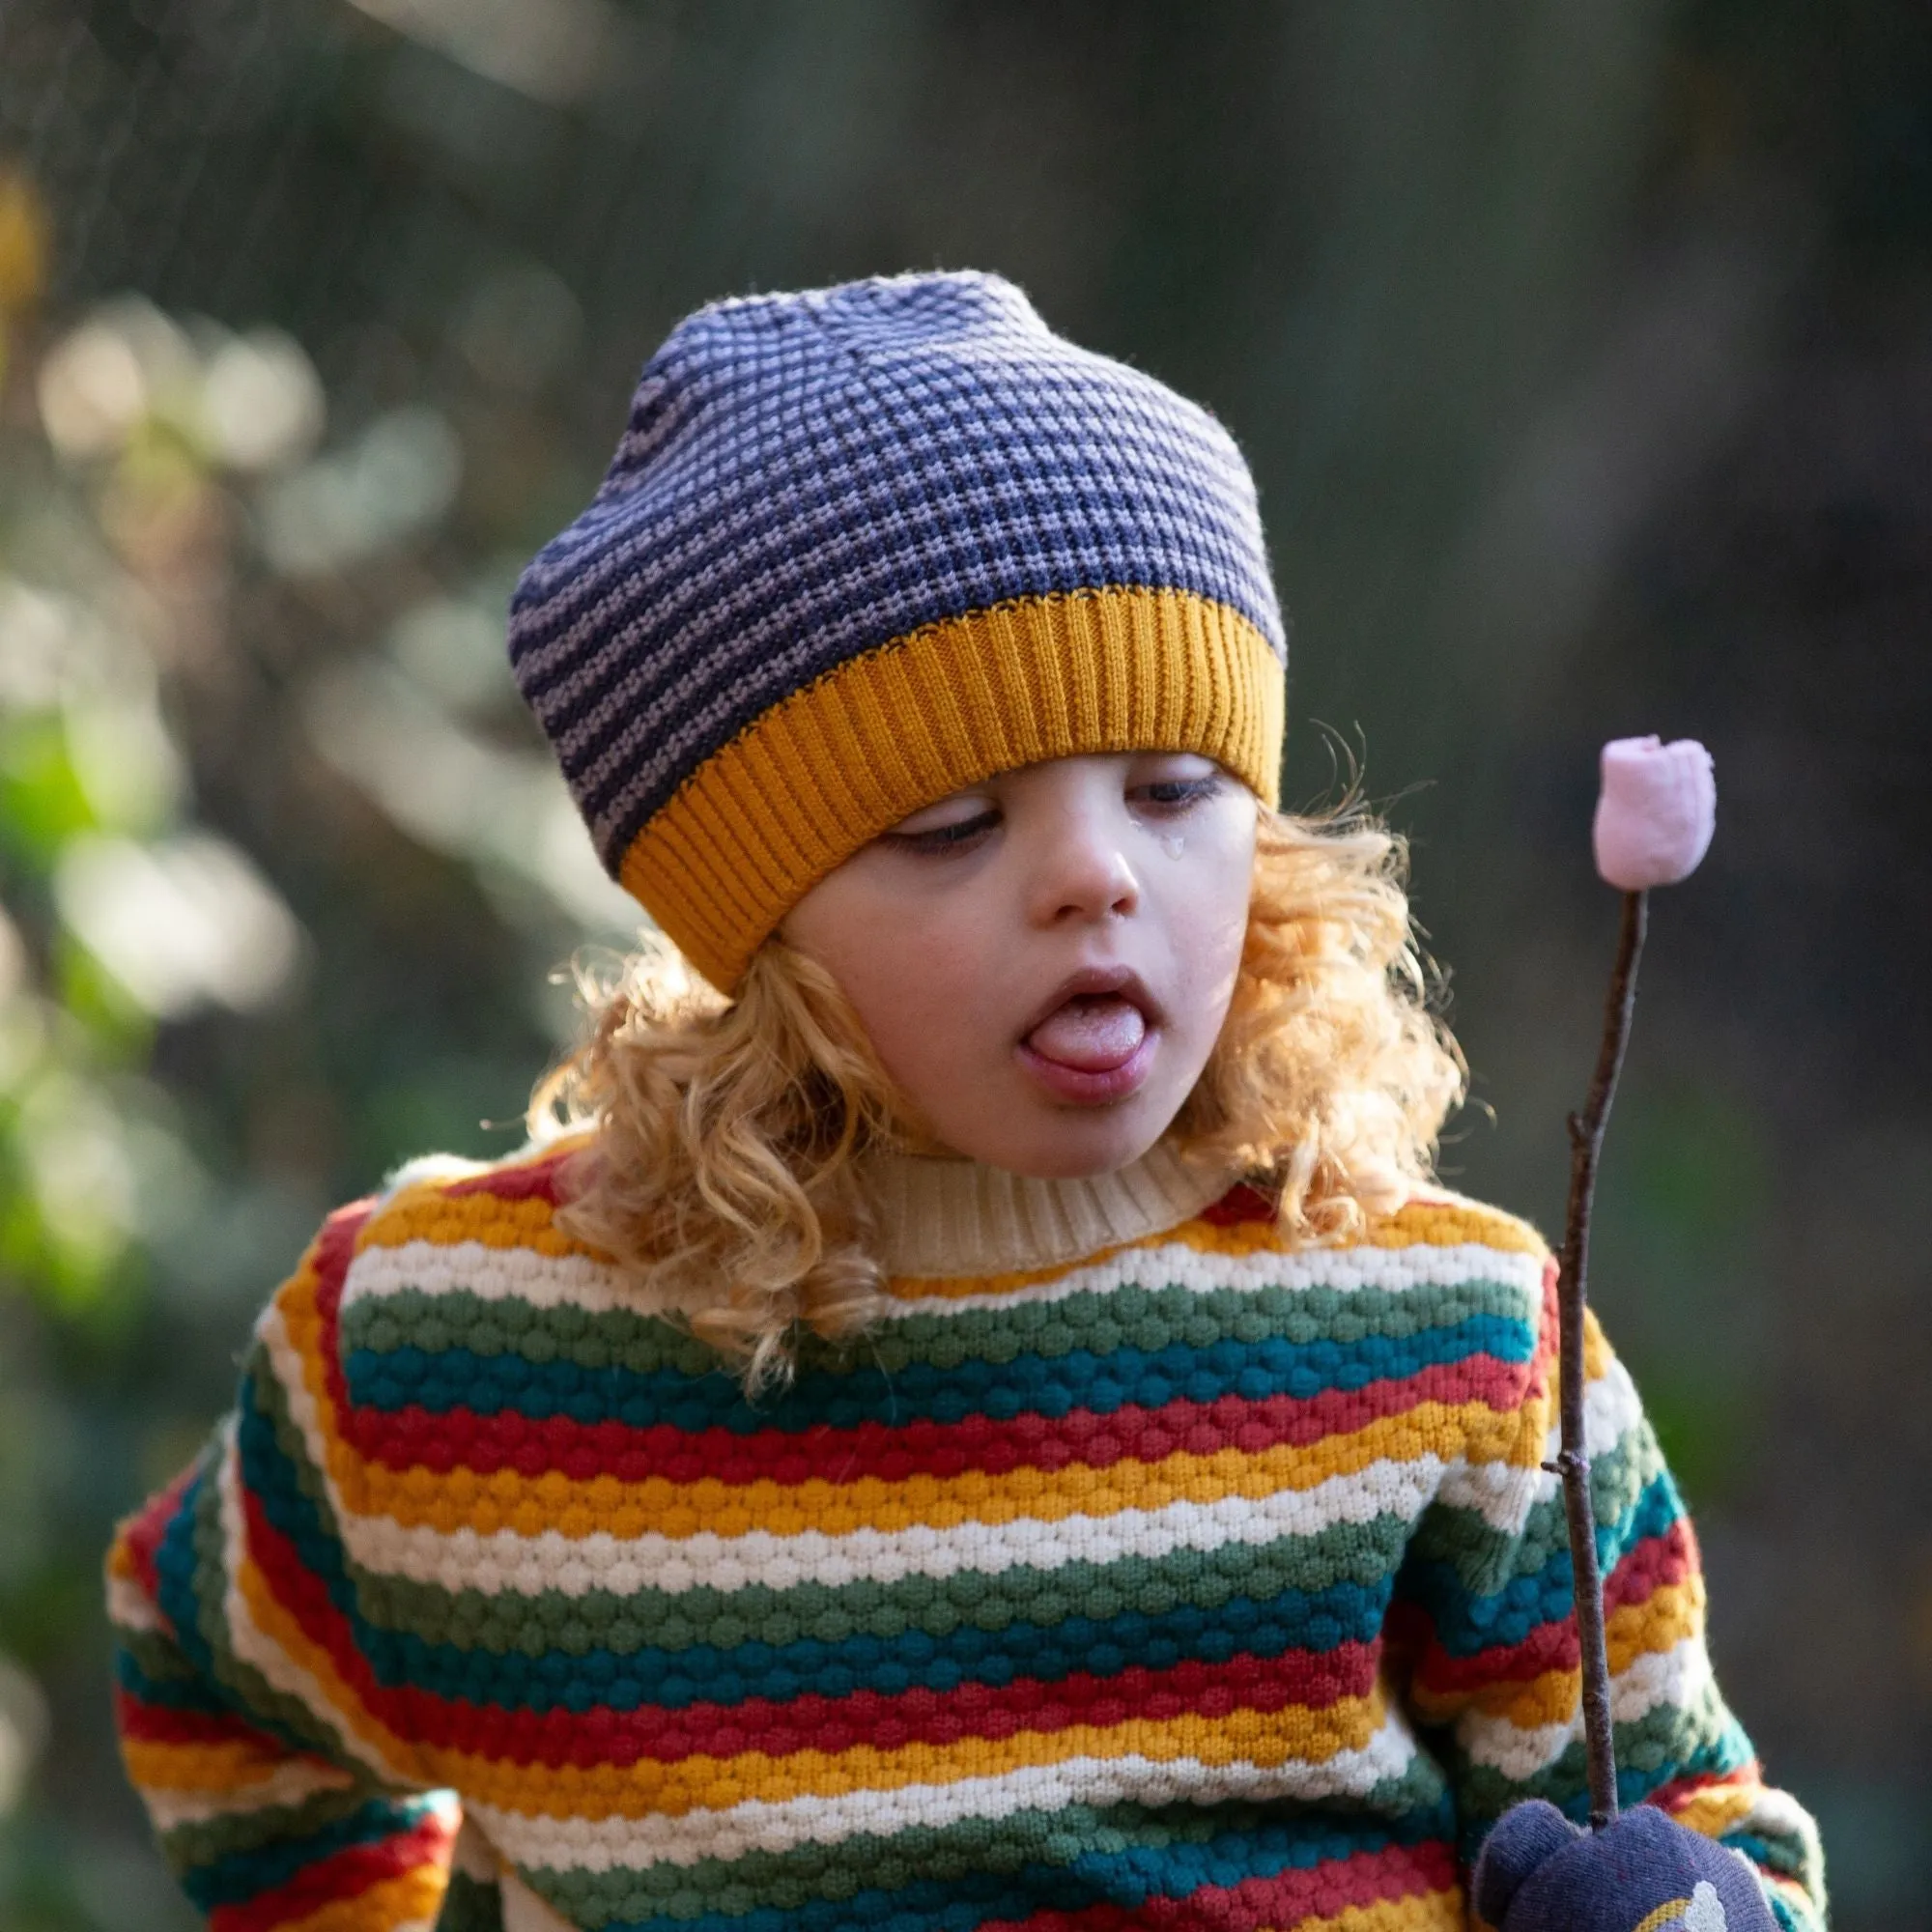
x=1643, y=1873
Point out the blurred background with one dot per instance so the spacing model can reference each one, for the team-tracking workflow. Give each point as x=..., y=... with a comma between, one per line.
x=1584, y=355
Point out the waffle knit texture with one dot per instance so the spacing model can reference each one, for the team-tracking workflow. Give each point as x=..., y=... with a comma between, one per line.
x=860, y=547
x=1196, y=1581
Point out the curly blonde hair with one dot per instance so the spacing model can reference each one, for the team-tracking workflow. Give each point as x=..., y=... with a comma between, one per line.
x=722, y=1169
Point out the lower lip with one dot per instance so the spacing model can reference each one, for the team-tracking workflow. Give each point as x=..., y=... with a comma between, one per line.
x=1101, y=1087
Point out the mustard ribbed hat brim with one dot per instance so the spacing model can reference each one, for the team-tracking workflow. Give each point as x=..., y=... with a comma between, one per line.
x=835, y=765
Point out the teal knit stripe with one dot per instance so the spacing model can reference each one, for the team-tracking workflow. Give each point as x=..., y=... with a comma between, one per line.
x=536, y=1624
x=234, y=1673
x=786, y=1881
x=1669, y=1740
x=1148, y=1319
x=1361, y=1553
x=1477, y=1550
x=230, y=1834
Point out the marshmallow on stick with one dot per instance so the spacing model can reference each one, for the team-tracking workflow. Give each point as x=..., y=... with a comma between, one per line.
x=1655, y=817
x=1656, y=811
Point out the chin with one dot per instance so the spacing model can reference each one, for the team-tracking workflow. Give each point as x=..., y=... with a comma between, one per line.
x=1075, y=1146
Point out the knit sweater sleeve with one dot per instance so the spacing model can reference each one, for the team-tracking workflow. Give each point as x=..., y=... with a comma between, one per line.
x=1483, y=1622
x=276, y=1803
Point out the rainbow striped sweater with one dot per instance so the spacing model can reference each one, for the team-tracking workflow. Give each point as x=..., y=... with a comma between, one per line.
x=1138, y=1568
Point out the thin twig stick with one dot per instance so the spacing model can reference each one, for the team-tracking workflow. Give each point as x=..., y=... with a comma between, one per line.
x=1586, y=1140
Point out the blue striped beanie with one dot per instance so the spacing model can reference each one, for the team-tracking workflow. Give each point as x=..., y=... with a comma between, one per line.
x=863, y=545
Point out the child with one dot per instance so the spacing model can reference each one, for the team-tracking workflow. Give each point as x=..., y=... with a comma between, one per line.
x=977, y=1416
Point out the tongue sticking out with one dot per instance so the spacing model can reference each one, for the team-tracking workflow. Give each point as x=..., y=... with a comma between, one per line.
x=1091, y=1033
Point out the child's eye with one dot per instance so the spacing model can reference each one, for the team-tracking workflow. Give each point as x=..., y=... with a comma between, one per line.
x=947, y=837
x=1177, y=794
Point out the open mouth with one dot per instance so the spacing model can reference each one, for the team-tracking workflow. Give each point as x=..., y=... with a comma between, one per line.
x=1093, y=1032
x=1094, y=1042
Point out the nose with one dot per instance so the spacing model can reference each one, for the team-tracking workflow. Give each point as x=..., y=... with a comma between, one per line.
x=1084, y=874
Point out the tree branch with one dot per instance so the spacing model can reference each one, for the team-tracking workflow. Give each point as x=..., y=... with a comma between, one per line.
x=1586, y=1140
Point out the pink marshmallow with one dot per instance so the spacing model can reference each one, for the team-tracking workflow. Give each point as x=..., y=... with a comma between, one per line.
x=1656, y=812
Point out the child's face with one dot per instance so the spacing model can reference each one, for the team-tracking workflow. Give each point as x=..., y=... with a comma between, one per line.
x=1043, y=963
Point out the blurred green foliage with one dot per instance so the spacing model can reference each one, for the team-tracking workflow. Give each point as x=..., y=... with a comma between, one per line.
x=1679, y=1242
x=1581, y=357
x=154, y=477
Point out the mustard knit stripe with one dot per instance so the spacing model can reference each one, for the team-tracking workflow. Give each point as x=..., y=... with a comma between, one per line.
x=675, y=1787
x=507, y=1499
x=829, y=767
x=1673, y=1612
x=400, y=1904
x=224, y=1766
x=1714, y=1812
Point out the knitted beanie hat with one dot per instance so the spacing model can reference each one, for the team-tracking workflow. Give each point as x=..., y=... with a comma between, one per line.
x=860, y=547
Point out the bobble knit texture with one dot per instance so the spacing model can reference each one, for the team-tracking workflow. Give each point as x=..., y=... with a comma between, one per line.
x=1197, y=1582
x=860, y=547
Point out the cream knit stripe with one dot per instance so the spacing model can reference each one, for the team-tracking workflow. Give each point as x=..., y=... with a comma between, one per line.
x=958, y=1217
x=507, y=1562
x=605, y=1844
x=505, y=1559
x=254, y=1646
x=1061, y=1354
x=1781, y=1822
x=491, y=1274
x=129, y=1609
x=1611, y=1411
x=581, y=1282
x=1774, y=1811
x=287, y=1785
x=1673, y=1677
x=1176, y=1263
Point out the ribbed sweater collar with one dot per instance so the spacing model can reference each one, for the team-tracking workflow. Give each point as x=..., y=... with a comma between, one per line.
x=942, y=1217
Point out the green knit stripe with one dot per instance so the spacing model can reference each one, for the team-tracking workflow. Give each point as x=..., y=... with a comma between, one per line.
x=510, y=1326
x=1478, y=1552
x=1156, y=1316
x=1365, y=1553
x=159, y=1657
x=205, y=1840
x=1663, y=1741
x=788, y=1881
x=242, y=1678
x=1129, y=1318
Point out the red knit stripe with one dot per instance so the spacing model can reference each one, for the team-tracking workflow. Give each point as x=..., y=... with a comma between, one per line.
x=1647, y=1567
x=163, y=1725
x=447, y=1439
x=143, y=1533
x=343, y=1875
x=600, y=1736
x=1680, y=1790
x=1287, y=1898
x=1240, y=1204
x=334, y=1249
x=538, y=1180
x=1295, y=1679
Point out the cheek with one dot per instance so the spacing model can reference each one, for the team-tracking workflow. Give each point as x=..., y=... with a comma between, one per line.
x=915, y=985
x=1207, y=919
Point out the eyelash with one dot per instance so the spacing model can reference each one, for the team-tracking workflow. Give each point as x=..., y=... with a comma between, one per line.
x=1181, y=794
x=1186, y=792
x=946, y=837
